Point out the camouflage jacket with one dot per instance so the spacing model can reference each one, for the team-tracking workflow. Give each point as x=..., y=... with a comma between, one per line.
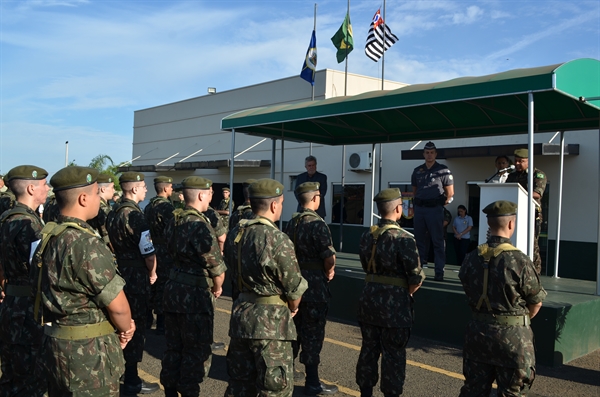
x=522, y=178
x=224, y=205
x=396, y=256
x=51, y=211
x=130, y=237
x=158, y=213
x=313, y=243
x=7, y=199
x=268, y=267
x=99, y=222
x=241, y=212
x=194, y=247
x=215, y=221
x=512, y=284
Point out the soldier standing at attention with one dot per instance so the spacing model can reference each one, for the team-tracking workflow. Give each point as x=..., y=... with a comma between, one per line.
x=316, y=257
x=389, y=256
x=521, y=176
x=433, y=188
x=51, y=211
x=80, y=291
x=159, y=213
x=243, y=211
x=20, y=335
x=268, y=287
x=223, y=208
x=505, y=293
x=130, y=237
x=194, y=283
x=106, y=189
x=216, y=222
x=7, y=197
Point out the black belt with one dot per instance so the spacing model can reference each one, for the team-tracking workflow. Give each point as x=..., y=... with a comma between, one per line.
x=194, y=280
x=431, y=202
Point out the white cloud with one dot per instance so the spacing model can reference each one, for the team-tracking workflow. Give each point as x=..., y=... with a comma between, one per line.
x=471, y=15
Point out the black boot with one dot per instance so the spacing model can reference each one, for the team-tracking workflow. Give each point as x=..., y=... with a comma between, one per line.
x=366, y=392
x=314, y=386
x=160, y=324
x=171, y=392
x=133, y=384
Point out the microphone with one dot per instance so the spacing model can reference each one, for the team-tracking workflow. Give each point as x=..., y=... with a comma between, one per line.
x=512, y=167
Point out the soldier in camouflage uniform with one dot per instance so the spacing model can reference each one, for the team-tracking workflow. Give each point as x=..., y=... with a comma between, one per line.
x=51, y=211
x=243, y=211
x=268, y=287
x=389, y=256
x=316, y=257
x=504, y=292
x=7, y=198
x=217, y=223
x=106, y=189
x=223, y=207
x=194, y=283
x=20, y=335
x=80, y=292
x=521, y=176
x=159, y=213
x=131, y=239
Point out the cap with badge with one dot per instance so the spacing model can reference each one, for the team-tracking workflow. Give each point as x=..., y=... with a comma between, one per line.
x=248, y=182
x=307, y=187
x=500, y=208
x=388, y=195
x=225, y=189
x=163, y=179
x=522, y=153
x=105, y=178
x=196, y=182
x=265, y=188
x=429, y=145
x=27, y=172
x=73, y=177
x=131, y=176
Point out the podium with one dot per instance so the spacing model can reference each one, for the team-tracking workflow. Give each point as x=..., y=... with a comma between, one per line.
x=514, y=192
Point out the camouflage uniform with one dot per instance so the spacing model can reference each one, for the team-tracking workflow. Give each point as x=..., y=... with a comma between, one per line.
x=20, y=334
x=224, y=206
x=130, y=237
x=7, y=200
x=99, y=222
x=385, y=310
x=539, y=186
x=260, y=358
x=158, y=213
x=216, y=222
x=51, y=211
x=493, y=350
x=189, y=311
x=241, y=212
x=313, y=243
x=78, y=280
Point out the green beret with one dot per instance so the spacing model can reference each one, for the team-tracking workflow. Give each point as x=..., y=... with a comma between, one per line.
x=196, y=182
x=131, y=176
x=388, y=195
x=226, y=189
x=265, y=188
x=307, y=187
x=73, y=177
x=163, y=179
x=248, y=182
x=500, y=208
x=105, y=178
x=28, y=172
x=522, y=153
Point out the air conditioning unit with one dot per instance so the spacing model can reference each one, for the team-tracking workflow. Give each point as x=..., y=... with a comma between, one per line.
x=360, y=162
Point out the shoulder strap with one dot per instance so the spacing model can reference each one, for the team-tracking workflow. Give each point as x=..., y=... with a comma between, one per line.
x=488, y=253
x=376, y=232
x=296, y=219
x=14, y=211
x=245, y=223
x=180, y=213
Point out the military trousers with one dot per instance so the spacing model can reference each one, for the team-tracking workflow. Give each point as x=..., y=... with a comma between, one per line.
x=390, y=344
x=134, y=351
x=310, y=326
x=537, y=259
x=259, y=367
x=187, y=360
x=512, y=382
x=428, y=223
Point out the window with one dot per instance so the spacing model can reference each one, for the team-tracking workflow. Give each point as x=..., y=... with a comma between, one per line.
x=354, y=204
x=407, y=203
x=292, y=185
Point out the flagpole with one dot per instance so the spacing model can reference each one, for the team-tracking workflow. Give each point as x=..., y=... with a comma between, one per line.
x=383, y=55
x=346, y=71
x=312, y=94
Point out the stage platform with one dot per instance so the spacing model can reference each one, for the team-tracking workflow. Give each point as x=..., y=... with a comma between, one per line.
x=567, y=326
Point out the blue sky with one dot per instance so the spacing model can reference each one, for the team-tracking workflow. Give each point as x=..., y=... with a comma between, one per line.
x=76, y=70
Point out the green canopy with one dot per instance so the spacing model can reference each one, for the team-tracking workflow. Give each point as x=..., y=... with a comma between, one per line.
x=465, y=107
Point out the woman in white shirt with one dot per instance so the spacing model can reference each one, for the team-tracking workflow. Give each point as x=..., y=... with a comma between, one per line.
x=462, y=226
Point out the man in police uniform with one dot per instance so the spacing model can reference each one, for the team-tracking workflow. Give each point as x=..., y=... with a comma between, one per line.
x=268, y=287
x=106, y=189
x=243, y=211
x=159, y=213
x=316, y=256
x=223, y=207
x=20, y=334
x=131, y=239
x=433, y=188
x=194, y=283
x=505, y=293
x=521, y=176
x=80, y=291
x=388, y=254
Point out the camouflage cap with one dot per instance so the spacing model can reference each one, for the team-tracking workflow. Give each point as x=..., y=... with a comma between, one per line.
x=131, y=176
x=522, y=153
x=163, y=179
x=248, y=182
x=27, y=172
x=388, y=195
x=265, y=188
x=500, y=208
x=105, y=178
x=196, y=182
x=429, y=145
x=73, y=177
x=226, y=189
x=307, y=187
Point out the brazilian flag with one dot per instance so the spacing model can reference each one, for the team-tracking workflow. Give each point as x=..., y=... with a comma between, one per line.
x=342, y=40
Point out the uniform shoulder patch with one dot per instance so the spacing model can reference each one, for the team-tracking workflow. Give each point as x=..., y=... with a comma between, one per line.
x=539, y=175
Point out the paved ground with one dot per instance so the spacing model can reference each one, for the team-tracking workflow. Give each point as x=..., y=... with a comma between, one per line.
x=434, y=369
